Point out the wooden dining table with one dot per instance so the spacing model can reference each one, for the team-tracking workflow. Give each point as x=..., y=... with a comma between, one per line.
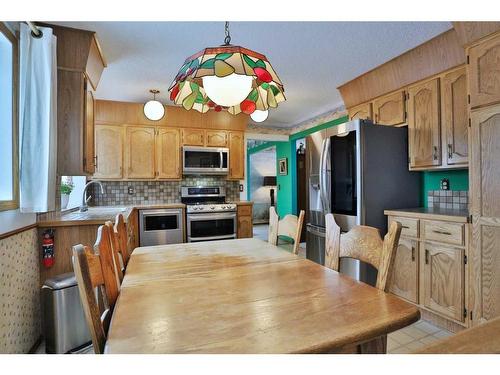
x=246, y=296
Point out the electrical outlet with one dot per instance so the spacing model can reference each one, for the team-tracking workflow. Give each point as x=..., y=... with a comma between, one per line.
x=131, y=190
x=445, y=184
x=241, y=187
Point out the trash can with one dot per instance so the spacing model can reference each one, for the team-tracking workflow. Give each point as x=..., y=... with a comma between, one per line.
x=64, y=326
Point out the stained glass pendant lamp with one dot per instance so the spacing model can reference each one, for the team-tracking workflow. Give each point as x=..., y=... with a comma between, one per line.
x=230, y=78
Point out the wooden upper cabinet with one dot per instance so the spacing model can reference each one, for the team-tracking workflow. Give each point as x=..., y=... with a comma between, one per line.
x=216, y=138
x=140, y=152
x=168, y=153
x=362, y=112
x=193, y=137
x=443, y=284
x=484, y=254
x=236, y=156
x=454, y=117
x=390, y=109
x=89, y=159
x=484, y=71
x=109, y=151
x=424, y=125
x=404, y=280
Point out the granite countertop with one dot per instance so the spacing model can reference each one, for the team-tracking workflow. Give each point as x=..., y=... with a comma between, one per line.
x=461, y=216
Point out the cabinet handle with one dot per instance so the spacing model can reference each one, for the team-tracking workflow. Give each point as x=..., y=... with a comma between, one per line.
x=442, y=232
x=405, y=226
x=435, y=153
x=95, y=161
x=413, y=253
x=426, y=256
x=450, y=150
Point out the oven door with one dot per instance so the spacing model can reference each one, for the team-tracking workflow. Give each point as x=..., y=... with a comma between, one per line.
x=205, y=160
x=210, y=227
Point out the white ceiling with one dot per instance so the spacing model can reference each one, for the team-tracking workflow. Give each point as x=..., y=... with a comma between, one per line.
x=311, y=58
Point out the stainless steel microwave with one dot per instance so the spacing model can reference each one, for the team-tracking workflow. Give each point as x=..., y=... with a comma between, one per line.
x=205, y=160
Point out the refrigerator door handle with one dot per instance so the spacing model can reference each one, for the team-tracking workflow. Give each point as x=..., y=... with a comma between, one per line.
x=323, y=183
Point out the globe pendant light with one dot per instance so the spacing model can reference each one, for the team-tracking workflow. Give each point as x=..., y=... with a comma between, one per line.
x=227, y=77
x=153, y=109
x=259, y=116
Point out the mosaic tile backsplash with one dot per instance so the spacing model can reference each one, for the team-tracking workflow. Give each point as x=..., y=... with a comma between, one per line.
x=454, y=199
x=155, y=192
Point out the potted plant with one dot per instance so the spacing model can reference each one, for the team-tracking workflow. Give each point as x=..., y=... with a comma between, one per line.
x=66, y=189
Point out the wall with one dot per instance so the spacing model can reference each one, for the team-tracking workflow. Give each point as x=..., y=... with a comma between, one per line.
x=155, y=192
x=262, y=163
x=459, y=181
x=19, y=290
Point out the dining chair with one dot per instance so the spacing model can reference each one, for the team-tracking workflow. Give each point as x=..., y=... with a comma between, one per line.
x=121, y=232
x=289, y=226
x=104, y=249
x=115, y=247
x=90, y=272
x=363, y=243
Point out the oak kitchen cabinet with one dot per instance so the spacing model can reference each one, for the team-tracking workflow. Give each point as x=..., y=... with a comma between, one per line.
x=244, y=220
x=236, y=156
x=424, y=124
x=79, y=67
x=390, y=109
x=430, y=267
x=140, y=152
x=216, y=138
x=168, y=153
x=109, y=152
x=362, y=112
x=193, y=137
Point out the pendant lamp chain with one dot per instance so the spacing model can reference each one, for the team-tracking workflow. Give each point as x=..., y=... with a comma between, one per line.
x=227, y=39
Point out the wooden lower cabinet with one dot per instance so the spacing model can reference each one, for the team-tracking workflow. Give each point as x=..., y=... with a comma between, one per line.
x=245, y=221
x=443, y=279
x=404, y=280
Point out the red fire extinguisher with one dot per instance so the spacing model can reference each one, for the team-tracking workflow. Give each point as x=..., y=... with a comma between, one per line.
x=48, y=248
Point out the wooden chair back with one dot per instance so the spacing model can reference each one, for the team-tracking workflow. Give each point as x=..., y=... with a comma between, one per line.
x=363, y=243
x=289, y=226
x=103, y=248
x=89, y=275
x=115, y=246
x=121, y=232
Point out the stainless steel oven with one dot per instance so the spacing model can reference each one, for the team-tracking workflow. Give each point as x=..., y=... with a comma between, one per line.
x=211, y=226
x=161, y=227
x=205, y=160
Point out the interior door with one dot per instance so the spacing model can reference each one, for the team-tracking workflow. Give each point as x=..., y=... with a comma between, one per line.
x=443, y=279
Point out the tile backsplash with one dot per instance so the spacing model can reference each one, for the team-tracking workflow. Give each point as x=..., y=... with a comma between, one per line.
x=155, y=192
x=451, y=199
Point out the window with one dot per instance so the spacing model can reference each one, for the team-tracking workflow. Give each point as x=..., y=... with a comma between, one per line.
x=8, y=120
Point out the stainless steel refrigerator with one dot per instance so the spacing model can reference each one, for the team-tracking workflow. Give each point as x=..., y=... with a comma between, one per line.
x=356, y=170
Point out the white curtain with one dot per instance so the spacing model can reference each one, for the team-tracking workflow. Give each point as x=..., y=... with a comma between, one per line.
x=37, y=120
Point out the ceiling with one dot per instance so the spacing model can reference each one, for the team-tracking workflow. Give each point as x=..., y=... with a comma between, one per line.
x=311, y=58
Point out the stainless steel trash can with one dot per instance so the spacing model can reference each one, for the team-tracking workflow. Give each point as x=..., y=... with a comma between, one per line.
x=64, y=325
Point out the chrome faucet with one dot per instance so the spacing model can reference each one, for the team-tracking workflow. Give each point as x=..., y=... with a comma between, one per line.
x=84, y=207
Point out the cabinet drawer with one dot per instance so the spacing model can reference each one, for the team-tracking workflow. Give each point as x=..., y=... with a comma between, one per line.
x=451, y=233
x=409, y=226
x=244, y=210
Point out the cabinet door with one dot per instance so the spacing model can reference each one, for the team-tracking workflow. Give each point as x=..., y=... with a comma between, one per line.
x=193, y=137
x=404, y=280
x=390, y=109
x=236, y=156
x=216, y=138
x=168, y=153
x=109, y=151
x=139, y=152
x=424, y=128
x=443, y=286
x=90, y=160
x=454, y=117
x=484, y=72
x=362, y=111
x=484, y=255
x=245, y=228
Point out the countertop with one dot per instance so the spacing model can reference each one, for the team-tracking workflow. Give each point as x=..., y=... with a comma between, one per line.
x=98, y=215
x=459, y=216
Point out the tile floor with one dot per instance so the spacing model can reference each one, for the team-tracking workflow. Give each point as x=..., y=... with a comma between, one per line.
x=405, y=340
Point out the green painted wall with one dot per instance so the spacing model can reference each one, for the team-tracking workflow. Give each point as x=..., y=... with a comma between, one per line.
x=285, y=202
x=459, y=180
